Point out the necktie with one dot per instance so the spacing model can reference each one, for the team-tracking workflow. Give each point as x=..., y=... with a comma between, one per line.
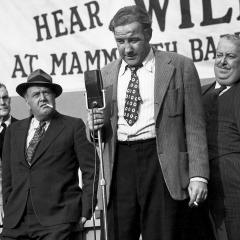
x=4, y=127
x=133, y=98
x=217, y=91
x=210, y=102
x=39, y=132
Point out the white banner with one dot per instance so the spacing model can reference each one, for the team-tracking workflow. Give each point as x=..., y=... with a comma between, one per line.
x=67, y=37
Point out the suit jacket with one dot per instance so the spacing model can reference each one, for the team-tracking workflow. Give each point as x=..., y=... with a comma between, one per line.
x=2, y=137
x=1, y=146
x=52, y=180
x=207, y=87
x=179, y=117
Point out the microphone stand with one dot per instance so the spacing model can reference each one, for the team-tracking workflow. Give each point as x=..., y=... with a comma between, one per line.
x=103, y=185
x=102, y=175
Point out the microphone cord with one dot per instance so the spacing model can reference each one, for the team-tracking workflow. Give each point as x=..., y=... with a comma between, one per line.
x=94, y=178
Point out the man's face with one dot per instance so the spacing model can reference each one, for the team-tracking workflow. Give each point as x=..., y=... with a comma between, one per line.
x=132, y=42
x=5, y=102
x=37, y=98
x=227, y=62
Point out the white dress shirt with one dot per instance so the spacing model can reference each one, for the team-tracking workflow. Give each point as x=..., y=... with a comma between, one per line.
x=217, y=85
x=33, y=126
x=7, y=122
x=144, y=127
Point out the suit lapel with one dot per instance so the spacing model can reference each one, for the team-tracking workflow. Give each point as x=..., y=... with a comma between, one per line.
x=207, y=87
x=13, y=119
x=111, y=78
x=54, y=129
x=21, y=138
x=163, y=73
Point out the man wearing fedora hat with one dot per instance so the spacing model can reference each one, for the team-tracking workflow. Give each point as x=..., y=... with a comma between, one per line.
x=41, y=157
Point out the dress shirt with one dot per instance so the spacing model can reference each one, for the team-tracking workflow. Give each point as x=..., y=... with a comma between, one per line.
x=144, y=127
x=33, y=126
x=7, y=122
x=217, y=85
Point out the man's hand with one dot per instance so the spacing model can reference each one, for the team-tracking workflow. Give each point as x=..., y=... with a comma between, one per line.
x=1, y=215
x=82, y=222
x=96, y=119
x=198, y=192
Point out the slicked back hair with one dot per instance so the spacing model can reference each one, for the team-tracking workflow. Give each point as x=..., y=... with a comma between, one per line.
x=130, y=14
x=234, y=38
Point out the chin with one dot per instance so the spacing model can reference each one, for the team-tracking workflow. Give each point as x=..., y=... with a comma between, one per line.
x=132, y=62
x=227, y=82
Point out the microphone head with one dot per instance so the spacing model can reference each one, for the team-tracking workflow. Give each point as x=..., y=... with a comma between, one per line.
x=94, y=87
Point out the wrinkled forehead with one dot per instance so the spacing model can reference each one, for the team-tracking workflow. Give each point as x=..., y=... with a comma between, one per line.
x=128, y=30
x=38, y=89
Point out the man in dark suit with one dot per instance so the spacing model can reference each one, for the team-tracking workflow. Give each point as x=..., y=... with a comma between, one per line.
x=5, y=119
x=41, y=158
x=155, y=151
x=222, y=109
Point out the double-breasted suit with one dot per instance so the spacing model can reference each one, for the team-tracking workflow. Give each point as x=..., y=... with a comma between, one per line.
x=179, y=121
x=223, y=125
x=52, y=179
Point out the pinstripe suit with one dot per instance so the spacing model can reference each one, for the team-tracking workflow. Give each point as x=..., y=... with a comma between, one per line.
x=179, y=122
x=223, y=143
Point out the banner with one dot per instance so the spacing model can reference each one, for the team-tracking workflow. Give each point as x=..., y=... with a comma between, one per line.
x=67, y=37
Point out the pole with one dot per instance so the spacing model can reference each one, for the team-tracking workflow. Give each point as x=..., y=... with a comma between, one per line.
x=103, y=185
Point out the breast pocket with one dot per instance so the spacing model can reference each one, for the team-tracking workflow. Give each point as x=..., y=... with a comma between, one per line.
x=174, y=102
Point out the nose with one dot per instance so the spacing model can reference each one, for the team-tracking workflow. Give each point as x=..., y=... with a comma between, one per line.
x=222, y=60
x=127, y=47
x=1, y=101
x=42, y=96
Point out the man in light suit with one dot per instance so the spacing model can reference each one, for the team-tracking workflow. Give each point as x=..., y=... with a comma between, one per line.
x=222, y=109
x=5, y=119
x=41, y=158
x=157, y=158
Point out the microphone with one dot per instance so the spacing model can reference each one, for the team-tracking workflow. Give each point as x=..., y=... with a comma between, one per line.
x=95, y=95
x=95, y=98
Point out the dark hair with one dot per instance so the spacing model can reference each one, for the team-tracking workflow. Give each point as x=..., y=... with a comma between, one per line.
x=130, y=14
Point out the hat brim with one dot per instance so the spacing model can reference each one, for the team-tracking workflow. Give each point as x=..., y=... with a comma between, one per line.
x=22, y=88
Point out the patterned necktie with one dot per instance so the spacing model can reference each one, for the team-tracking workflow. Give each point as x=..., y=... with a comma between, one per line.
x=133, y=98
x=39, y=132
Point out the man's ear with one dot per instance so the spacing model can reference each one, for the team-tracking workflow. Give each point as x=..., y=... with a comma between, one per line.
x=148, y=34
x=26, y=101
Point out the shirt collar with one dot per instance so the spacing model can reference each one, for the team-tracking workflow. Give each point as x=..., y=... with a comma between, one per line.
x=35, y=123
x=148, y=63
x=217, y=85
x=8, y=121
